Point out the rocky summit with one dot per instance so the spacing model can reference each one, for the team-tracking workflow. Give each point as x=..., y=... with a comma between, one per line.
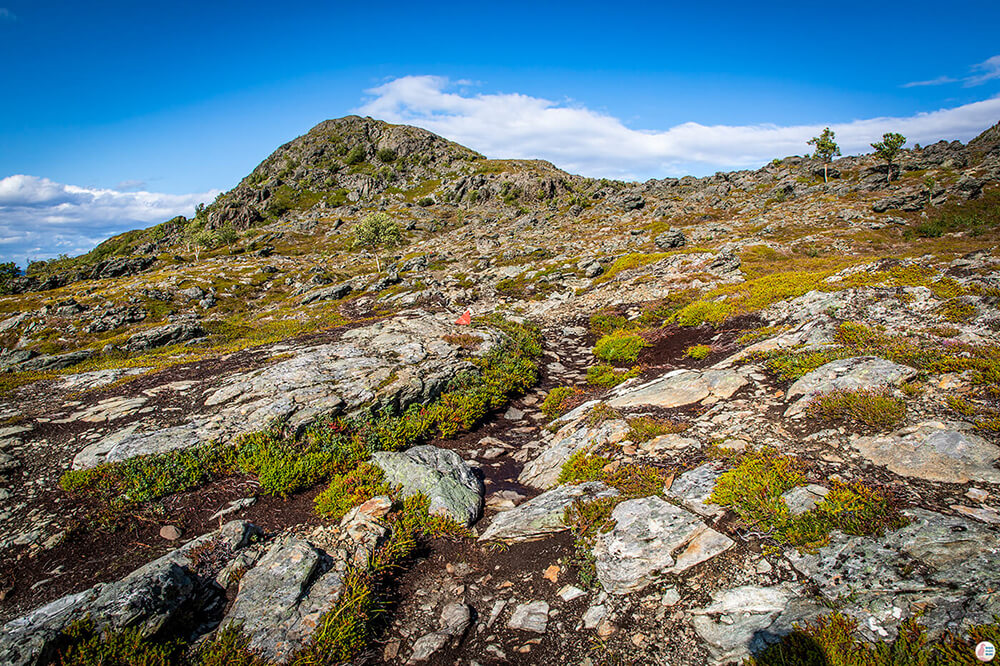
x=387, y=401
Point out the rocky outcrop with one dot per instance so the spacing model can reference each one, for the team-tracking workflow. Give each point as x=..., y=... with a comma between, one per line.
x=849, y=374
x=651, y=538
x=393, y=364
x=147, y=599
x=933, y=451
x=160, y=336
x=679, y=388
x=282, y=599
x=542, y=515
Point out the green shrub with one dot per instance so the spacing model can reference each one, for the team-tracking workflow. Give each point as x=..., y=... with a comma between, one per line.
x=873, y=408
x=555, y=403
x=620, y=347
x=349, y=490
x=84, y=645
x=355, y=155
x=603, y=323
x=698, y=352
x=581, y=467
x=606, y=376
x=703, y=312
x=387, y=155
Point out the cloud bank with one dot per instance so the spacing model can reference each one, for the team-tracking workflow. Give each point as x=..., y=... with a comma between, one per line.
x=590, y=143
x=40, y=218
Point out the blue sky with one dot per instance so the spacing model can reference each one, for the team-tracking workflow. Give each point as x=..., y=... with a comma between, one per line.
x=116, y=113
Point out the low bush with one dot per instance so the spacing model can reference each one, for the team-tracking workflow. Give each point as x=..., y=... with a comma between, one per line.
x=349, y=490
x=606, y=376
x=873, y=408
x=698, y=352
x=753, y=488
x=556, y=402
x=703, y=312
x=620, y=347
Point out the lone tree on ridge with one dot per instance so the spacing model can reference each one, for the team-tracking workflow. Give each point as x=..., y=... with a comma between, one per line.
x=375, y=231
x=887, y=149
x=826, y=149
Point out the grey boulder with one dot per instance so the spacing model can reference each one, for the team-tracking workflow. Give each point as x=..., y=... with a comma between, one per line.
x=447, y=480
x=651, y=538
x=160, y=336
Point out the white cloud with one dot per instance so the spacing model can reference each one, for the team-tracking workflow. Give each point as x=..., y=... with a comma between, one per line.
x=988, y=70
x=40, y=218
x=941, y=80
x=595, y=144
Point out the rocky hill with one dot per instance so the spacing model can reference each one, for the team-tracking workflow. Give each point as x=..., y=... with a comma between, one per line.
x=747, y=418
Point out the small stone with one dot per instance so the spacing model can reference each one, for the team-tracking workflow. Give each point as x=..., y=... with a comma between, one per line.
x=977, y=494
x=531, y=616
x=513, y=414
x=670, y=597
x=552, y=573
x=764, y=567
x=570, y=592
x=594, y=615
x=170, y=533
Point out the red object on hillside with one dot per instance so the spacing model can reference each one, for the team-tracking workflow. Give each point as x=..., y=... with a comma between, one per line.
x=465, y=319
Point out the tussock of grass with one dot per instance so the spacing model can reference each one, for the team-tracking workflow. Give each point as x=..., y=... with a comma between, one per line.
x=644, y=428
x=873, y=408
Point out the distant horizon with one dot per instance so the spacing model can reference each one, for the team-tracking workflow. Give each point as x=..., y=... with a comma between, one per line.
x=166, y=108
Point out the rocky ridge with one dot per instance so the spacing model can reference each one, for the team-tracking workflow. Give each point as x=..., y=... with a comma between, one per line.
x=828, y=347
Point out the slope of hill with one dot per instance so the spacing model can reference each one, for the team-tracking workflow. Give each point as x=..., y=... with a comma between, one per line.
x=684, y=416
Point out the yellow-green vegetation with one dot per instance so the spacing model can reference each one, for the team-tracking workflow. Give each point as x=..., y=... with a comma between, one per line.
x=285, y=464
x=351, y=489
x=698, y=352
x=703, y=312
x=86, y=646
x=606, y=376
x=628, y=262
x=604, y=323
x=644, y=428
x=752, y=489
x=871, y=407
x=556, y=403
x=957, y=311
x=581, y=467
x=620, y=347
x=833, y=640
